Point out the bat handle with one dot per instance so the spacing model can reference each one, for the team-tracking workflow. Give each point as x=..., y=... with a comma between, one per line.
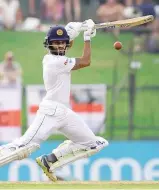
x=84, y=27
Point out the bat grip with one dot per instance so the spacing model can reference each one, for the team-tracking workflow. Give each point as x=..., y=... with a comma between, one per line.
x=84, y=28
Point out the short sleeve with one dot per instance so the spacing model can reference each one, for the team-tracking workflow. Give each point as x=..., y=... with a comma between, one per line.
x=59, y=63
x=69, y=64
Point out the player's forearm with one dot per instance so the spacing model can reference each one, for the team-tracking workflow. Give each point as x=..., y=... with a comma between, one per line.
x=87, y=53
x=85, y=60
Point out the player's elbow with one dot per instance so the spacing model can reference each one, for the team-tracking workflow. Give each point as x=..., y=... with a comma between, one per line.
x=87, y=63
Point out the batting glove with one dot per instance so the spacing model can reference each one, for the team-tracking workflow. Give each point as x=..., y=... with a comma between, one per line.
x=73, y=29
x=90, y=32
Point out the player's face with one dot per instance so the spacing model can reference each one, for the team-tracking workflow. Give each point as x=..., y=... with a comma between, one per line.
x=59, y=46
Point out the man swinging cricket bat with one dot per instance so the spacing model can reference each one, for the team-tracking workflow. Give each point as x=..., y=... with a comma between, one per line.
x=54, y=112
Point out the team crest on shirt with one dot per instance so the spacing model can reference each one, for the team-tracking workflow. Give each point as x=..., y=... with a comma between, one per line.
x=59, y=32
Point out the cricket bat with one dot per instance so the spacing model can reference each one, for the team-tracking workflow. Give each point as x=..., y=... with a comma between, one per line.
x=127, y=23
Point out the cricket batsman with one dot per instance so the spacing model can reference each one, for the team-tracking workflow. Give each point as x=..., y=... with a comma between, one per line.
x=54, y=112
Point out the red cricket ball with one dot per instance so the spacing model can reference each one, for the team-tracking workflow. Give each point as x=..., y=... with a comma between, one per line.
x=117, y=45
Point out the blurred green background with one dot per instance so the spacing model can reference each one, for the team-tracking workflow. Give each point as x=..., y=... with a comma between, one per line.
x=109, y=66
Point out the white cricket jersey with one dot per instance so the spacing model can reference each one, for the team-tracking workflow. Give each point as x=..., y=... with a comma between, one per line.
x=57, y=80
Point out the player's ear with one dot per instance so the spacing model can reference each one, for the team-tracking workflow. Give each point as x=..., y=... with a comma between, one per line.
x=71, y=44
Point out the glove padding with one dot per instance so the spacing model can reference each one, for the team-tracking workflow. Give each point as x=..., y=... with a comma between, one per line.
x=93, y=33
x=73, y=29
x=90, y=32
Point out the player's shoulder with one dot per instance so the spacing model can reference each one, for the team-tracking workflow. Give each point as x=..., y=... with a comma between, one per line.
x=47, y=57
x=61, y=58
x=53, y=59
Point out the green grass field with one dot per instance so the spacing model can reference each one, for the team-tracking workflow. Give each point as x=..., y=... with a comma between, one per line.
x=29, y=51
x=81, y=185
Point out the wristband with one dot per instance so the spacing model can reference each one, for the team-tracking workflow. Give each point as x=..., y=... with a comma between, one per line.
x=87, y=38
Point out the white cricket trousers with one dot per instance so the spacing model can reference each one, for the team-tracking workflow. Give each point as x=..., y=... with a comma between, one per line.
x=61, y=119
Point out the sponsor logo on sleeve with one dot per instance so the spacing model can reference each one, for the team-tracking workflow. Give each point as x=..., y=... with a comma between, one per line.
x=65, y=63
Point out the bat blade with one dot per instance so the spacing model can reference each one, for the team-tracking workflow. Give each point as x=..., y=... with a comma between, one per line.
x=126, y=23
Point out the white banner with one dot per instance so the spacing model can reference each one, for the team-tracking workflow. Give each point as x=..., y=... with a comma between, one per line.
x=10, y=113
x=89, y=101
